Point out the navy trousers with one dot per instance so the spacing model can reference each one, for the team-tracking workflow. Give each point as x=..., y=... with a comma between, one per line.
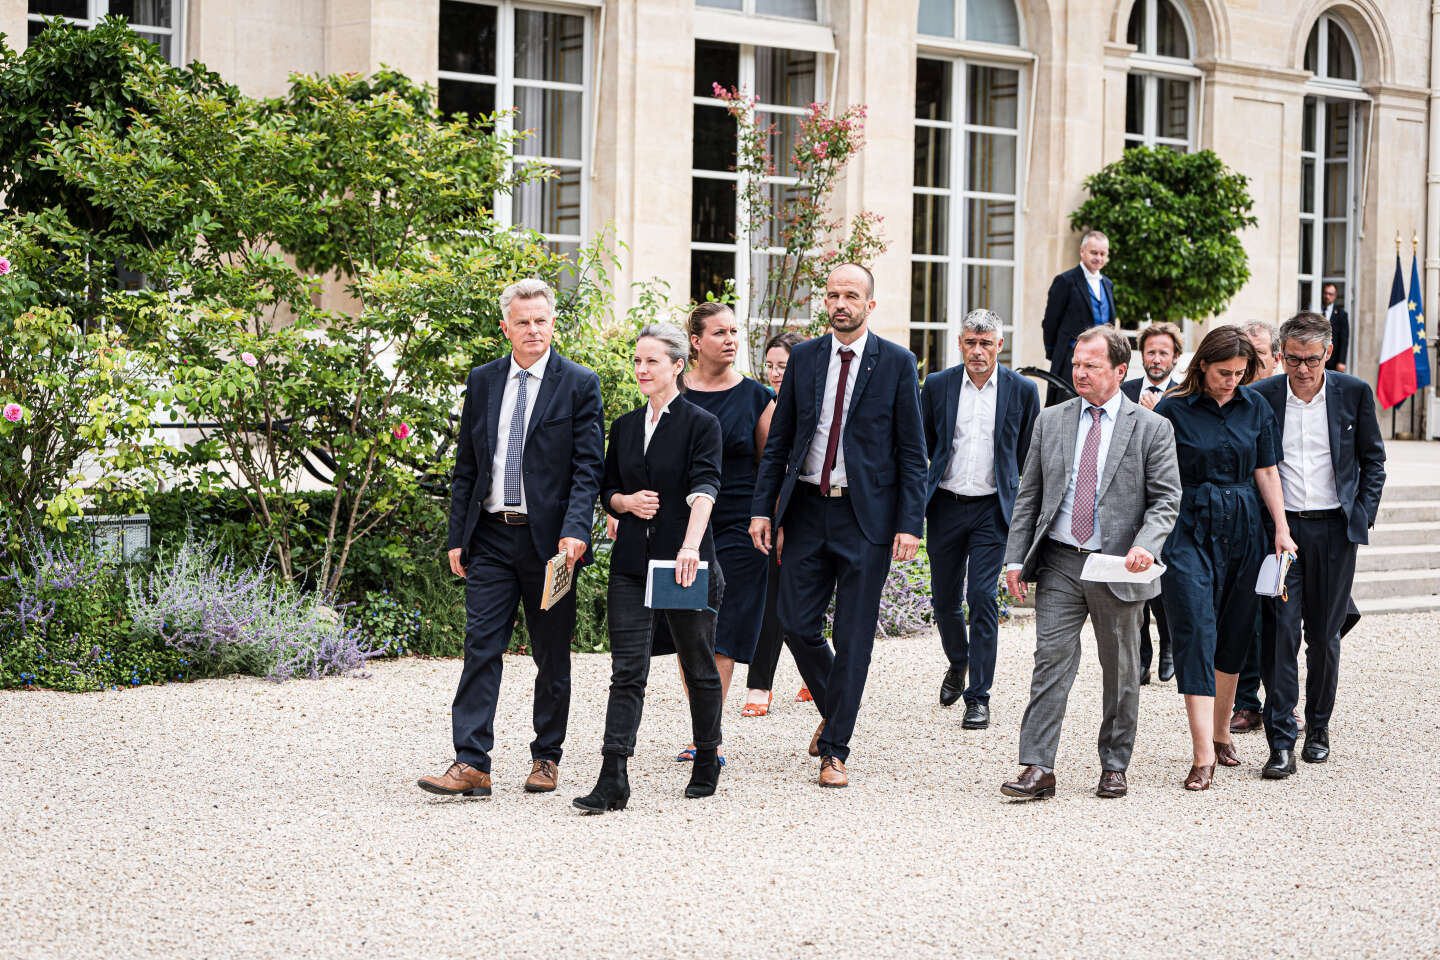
x=1318, y=589
x=1247, y=688
x=826, y=555
x=504, y=570
x=961, y=533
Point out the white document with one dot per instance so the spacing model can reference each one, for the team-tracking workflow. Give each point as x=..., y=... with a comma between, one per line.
x=1104, y=568
x=1271, y=581
x=663, y=565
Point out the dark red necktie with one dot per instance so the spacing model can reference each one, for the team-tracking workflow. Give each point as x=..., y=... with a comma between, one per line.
x=832, y=448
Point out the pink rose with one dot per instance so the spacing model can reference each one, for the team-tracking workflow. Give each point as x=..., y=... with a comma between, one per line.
x=4, y=266
x=248, y=359
x=13, y=412
x=402, y=431
x=819, y=149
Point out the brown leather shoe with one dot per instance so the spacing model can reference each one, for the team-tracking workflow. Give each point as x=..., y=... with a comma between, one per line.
x=544, y=774
x=815, y=740
x=1225, y=754
x=460, y=780
x=1243, y=721
x=1032, y=784
x=1112, y=784
x=832, y=773
x=1199, y=777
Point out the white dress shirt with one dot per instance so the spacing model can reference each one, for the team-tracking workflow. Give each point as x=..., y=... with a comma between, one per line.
x=815, y=458
x=1307, y=474
x=1093, y=279
x=1060, y=528
x=651, y=425
x=971, y=471
x=495, y=499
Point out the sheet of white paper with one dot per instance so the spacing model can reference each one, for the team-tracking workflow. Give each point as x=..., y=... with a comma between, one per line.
x=664, y=565
x=1104, y=568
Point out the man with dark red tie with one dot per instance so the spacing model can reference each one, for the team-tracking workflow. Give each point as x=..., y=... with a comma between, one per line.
x=843, y=480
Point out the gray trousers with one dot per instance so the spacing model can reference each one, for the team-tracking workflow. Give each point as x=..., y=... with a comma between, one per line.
x=1062, y=602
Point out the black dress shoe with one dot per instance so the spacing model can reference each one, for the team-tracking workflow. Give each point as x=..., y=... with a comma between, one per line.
x=1112, y=784
x=1145, y=677
x=1167, y=663
x=1280, y=765
x=952, y=686
x=977, y=716
x=1317, y=745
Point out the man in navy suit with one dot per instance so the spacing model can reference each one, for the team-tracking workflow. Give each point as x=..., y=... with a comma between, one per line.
x=1079, y=298
x=978, y=417
x=527, y=473
x=843, y=478
x=1332, y=476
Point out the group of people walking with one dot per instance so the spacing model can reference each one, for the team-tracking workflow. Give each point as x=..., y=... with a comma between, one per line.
x=800, y=498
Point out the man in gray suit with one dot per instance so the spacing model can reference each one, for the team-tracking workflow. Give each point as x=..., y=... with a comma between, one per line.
x=1100, y=477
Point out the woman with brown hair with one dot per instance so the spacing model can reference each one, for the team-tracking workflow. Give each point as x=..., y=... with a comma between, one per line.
x=1227, y=444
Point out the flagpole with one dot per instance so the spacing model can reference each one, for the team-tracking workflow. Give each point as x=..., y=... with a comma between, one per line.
x=1414, y=251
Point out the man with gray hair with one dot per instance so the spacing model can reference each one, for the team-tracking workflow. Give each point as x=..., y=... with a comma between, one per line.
x=1265, y=338
x=528, y=466
x=978, y=416
x=1079, y=298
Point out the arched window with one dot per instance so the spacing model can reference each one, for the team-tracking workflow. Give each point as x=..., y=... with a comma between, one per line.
x=969, y=118
x=1333, y=125
x=1160, y=87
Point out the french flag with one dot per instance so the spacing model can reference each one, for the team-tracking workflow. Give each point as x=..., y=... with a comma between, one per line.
x=1397, y=350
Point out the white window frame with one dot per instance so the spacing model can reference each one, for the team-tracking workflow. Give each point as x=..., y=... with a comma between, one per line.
x=959, y=33
x=748, y=9
x=98, y=10
x=505, y=83
x=1324, y=90
x=959, y=194
x=740, y=247
x=1153, y=68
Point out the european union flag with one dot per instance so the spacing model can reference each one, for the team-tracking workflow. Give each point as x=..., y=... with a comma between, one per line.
x=1417, y=327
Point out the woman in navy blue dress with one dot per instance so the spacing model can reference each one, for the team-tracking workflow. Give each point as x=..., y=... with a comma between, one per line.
x=1228, y=445
x=743, y=407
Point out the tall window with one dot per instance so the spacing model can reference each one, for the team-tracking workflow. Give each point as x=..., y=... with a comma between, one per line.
x=155, y=20
x=1332, y=126
x=503, y=57
x=1160, y=87
x=785, y=83
x=988, y=21
x=793, y=9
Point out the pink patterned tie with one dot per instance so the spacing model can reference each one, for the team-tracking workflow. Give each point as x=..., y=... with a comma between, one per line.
x=1082, y=516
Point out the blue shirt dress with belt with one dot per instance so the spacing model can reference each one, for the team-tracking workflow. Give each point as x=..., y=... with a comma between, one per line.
x=738, y=409
x=1214, y=553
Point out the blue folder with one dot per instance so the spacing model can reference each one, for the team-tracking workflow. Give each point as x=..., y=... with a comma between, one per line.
x=663, y=593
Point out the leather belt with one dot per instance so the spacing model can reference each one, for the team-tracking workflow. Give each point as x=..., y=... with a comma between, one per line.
x=1334, y=513
x=962, y=498
x=510, y=518
x=834, y=490
x=1068, y=548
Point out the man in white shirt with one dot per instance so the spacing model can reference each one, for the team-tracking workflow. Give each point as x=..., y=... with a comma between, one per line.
x=1332, y=477
x=1339, y=322
x=1079, y=298
x=978, y=417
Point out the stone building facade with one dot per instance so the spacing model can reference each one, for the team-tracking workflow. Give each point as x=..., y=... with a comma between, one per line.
x=985, y=116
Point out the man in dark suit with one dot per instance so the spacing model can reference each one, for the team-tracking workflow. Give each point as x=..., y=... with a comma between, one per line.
x=527, y=472
x=1160, y=346
x=1339, y=328
x=978, y=418
x=1332, y=476
x=1101, y=477
x=843, y=478
x=1079, y=298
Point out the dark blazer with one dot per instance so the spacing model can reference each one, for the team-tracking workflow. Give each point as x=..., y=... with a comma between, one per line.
x=883, y=437
x=1356, y=449
x=564, y=453
x=1132, y=388
x=1067, y=309
x=1017, y=404
x=684, y=458
x=1340, y=336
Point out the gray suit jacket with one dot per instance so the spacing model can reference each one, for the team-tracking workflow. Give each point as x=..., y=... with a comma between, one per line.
x=1139, y=493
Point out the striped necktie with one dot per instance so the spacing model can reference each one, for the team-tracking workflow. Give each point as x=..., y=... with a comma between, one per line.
x=1082, y=514
x=515, y=449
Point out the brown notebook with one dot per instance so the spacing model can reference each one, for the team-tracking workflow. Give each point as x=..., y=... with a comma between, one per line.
x=558, y=581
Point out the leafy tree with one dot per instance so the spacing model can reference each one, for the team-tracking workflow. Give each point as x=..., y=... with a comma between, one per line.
x=1173, y=220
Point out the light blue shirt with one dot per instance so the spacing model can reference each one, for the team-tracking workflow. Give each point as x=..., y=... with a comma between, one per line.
x=1060, y=529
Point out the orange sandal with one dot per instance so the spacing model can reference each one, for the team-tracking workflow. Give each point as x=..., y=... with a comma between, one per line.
x=804, y=696
x=758, y=709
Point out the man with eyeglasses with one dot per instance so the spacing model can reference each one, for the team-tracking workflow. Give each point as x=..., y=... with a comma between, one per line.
x=1332, y=476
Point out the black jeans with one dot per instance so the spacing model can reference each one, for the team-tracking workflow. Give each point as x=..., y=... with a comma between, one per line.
x=632, y=632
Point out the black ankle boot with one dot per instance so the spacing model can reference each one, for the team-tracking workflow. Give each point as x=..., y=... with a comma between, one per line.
x=612, y=790
x=705, y=774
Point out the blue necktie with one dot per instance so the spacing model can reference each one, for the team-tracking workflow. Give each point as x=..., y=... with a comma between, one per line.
x=515, y=449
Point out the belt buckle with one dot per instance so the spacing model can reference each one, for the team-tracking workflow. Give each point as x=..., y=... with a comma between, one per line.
x=834, y=490
x=513, y=518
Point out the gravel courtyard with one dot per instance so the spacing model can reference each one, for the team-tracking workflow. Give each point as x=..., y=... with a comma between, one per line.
x=236, y=818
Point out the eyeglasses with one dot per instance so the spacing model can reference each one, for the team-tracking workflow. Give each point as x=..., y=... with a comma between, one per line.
x=1309, y=363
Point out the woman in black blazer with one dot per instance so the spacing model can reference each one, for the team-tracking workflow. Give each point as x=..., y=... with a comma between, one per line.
x=662, y=474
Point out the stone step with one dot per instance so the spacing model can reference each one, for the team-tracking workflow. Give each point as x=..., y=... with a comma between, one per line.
x=1417, y=533
x=1378, y=584
x=1410, y=491
x=1401, y=604
x=1404, y=510
x=1414, y=556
